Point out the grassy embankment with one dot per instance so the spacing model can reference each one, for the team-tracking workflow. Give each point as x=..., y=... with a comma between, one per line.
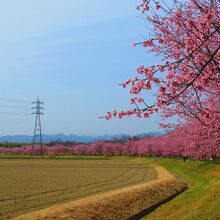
x=201, y=200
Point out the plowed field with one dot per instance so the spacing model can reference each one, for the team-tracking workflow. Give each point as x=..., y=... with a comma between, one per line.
x=28, y=185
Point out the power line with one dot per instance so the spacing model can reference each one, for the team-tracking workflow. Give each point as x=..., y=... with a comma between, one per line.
x=13, y=106
x=14, y=100
x=18, y=122
x=14, y=113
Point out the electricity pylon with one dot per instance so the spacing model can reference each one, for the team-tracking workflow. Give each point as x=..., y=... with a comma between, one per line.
x=37, y=139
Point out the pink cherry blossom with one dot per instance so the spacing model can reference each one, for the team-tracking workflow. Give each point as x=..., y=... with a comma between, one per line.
x=187, y=38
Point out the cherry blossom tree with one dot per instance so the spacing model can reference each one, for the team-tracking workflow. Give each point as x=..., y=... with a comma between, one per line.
x=186, y=35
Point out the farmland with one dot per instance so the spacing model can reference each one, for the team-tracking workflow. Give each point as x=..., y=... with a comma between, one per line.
x=28, y=185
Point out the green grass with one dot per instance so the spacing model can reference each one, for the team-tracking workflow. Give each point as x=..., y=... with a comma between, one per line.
x=201, y=200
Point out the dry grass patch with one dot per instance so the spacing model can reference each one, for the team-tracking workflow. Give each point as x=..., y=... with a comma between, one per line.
x=119, y=204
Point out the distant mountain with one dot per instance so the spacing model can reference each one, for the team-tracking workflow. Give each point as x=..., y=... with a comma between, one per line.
x=150, y=134
x=72, y=137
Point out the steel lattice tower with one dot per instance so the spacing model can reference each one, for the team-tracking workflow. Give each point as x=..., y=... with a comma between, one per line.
x=37, y=138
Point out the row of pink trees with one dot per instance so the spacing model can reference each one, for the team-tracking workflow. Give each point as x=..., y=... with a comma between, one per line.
x=173, y=145
x=186, y=35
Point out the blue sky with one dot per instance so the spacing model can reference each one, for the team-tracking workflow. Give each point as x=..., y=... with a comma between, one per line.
x=72, y=54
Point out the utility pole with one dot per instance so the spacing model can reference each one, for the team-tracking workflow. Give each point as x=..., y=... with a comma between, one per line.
x=37, y=138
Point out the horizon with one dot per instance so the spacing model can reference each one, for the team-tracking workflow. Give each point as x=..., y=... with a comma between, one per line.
x=98, y=135
x=47, y=138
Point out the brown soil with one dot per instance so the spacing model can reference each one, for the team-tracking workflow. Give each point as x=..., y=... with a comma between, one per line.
x=119, y=204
